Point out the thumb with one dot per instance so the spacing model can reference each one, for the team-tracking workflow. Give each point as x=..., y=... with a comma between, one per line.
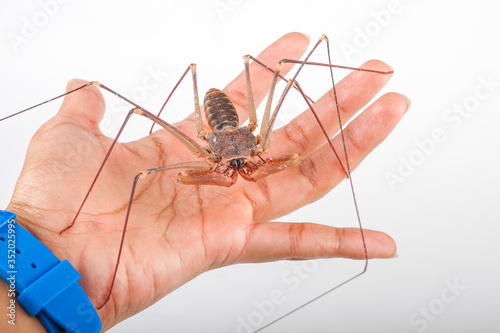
x=84, y=107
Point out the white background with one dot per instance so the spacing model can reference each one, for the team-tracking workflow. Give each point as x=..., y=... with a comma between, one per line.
x=444, y=214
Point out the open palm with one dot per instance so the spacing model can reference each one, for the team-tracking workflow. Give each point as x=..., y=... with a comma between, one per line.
x=176, y=231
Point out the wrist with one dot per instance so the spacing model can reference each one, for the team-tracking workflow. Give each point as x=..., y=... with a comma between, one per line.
x=48, y=288
x=14, y=318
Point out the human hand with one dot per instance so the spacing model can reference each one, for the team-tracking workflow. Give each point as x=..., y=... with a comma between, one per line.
x=176, y=231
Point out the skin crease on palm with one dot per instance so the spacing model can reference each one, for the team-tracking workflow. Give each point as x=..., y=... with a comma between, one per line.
x=176, y=231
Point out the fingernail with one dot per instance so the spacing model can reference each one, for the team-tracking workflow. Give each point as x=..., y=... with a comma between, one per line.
x=396, y=255
x=308, y=36
x=407, y=101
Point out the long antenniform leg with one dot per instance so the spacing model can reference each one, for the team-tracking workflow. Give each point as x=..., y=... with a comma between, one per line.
x=268, y=124
x=194, y=147
x=201, y=165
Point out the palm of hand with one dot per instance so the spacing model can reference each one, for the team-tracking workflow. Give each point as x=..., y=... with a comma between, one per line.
x=176, y=232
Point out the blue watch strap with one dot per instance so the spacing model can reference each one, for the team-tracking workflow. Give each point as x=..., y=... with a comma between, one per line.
x=47, y=287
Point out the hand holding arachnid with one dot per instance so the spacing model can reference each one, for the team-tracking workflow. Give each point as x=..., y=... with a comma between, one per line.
x=176, y=231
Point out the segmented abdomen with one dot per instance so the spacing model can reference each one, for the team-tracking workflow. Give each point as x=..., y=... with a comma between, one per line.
x=220, y=110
